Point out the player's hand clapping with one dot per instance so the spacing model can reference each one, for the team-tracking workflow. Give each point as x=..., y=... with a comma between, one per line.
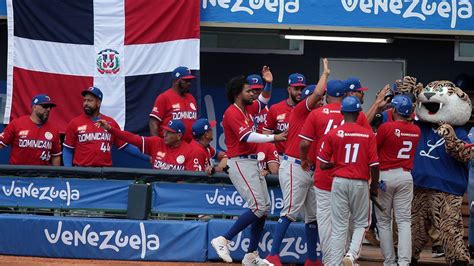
x=103, y=124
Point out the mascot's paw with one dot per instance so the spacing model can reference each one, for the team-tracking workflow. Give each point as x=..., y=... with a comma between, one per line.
x=445, y=130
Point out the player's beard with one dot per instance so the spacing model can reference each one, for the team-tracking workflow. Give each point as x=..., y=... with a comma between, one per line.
x=89, y=111
x=43, y=117
x=247, y=102
x=295, y=99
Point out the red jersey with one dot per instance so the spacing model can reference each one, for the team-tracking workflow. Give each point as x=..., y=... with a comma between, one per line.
x=170, y=105
x=31, y=144
x=203, y=155
x=319, y=122
x=277, y=119
x=295, y=123
x=267, y=153
x=91, y=144
x=163, y=156
x=237, y=125
x=396, y=144
x=353, y=149
x=260, y=118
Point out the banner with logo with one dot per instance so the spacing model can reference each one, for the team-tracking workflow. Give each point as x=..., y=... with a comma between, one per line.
x=94, y=238
x=420, y=16
x=64, y=193
x=206, y=199
x=128, y=49
x=293, y=247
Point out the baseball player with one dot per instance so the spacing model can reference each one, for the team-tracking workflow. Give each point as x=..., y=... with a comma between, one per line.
x=175, y=103
x=396, y=145
x=204, y=152
x=33, y=140
x=279, y=114
x=242, y=141
x=297, y=183
x=86, y=144
x=167, y=153
x=256, y=83
x=353, y=150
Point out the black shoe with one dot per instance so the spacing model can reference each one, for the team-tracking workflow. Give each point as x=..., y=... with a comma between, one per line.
x=460, y=263
x=437, y=252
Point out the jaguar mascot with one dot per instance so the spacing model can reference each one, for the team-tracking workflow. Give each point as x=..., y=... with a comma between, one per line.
x=440, y=173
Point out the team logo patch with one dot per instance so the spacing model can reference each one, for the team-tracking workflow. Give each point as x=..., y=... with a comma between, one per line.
x=82, y=128
x=260, y=156
x=281, y=117
x=192, y=106
x=176, y=106
x=23, y=133
x=108, y=62
x=161, y=154
x=325, y=111
x=180, y=159
x=397, y=132
x=340, y=133
x=48, y=135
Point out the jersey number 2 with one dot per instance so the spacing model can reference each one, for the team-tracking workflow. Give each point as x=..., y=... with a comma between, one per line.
x=404, y=152
x=349, y=147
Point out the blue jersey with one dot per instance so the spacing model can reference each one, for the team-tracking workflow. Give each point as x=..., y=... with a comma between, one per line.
x=434, y=168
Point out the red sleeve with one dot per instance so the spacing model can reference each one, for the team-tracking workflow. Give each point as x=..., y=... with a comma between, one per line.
x=373, y=156
x=302, y=108
x=381, y=135
x=56, y=149
x=237, y=124
x=159, y=108
x=8, y=135
x=362, y=121
x=308, y=131
x=70, y=139
x=271, y=153
x=130, y=138
x=118, y=142
x=255, y=108
x=325, y=151
x=270, y=121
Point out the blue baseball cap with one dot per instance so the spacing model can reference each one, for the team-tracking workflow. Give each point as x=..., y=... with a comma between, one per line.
x=94, y=91
x=351, y=104
x=175, y=126
x=182, y=72
x=296, y=80
x=336, y=88
x=201, y=126
x=42, y=99
x=255, y=81
x=353, y=84
x=402, y=104
x=308, y=90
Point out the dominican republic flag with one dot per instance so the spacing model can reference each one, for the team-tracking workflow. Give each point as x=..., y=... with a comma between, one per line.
x=127, y=48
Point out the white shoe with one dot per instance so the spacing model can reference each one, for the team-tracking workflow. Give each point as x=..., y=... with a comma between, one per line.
x=220, y=246
x=348, y=260
x=253, y=258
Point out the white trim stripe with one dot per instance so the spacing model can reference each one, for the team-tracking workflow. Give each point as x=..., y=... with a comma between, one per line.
x=243, y=136
x=1, y=143
x=145, y=59
x=374, y=164
x=322, y=160
x=54, y=57
x=67, y=146
x=306, y=138
x=57, y=154
x=143, y=145
x=152, y=115
x=123, y=146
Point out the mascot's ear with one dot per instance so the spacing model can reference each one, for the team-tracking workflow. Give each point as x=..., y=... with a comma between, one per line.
x=461, y=94
x=418, y=89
